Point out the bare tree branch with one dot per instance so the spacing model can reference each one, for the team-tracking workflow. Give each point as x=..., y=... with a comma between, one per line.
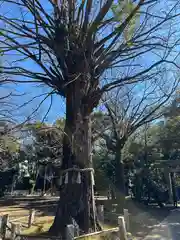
x=134, y=106
x=53, y=57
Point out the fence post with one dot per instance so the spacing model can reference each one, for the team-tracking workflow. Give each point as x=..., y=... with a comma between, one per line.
x=4, y=222
x=100, y=211
x=126, y=219
x=18, y=231
x=122, y=228
x=15, y=230
x=70, y=232
x=31, y=217
x=1, y=225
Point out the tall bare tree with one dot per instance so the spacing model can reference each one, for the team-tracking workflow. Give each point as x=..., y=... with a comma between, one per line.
x=81, y=48
x=128, y=109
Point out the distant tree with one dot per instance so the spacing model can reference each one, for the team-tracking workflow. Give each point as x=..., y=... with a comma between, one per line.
x=141, y=158
x=127, y=111
x=169, y=135
x=47, y=141
x=41, y=146
x=9, y=148
x=173, y=110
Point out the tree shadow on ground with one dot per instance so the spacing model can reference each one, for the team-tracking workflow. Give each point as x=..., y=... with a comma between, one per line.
x=144, y=219
x=43, y=204
x=169, y=229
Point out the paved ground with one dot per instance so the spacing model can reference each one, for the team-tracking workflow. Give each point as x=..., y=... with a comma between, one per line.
x=168, y=229
x=148, y=222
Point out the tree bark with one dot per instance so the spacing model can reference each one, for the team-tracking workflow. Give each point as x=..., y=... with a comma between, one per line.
x=119, y=176
x=75, y=201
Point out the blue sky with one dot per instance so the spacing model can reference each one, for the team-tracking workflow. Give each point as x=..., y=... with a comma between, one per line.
x=30, y=90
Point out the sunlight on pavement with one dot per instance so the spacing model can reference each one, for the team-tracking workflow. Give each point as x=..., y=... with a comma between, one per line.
x=169, y=229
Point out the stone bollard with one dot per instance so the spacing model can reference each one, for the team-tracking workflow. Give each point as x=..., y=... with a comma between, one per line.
x=70, y=232
x=31, y=217
x=122, y=228
x=15, y=230
x=126, y=219
x=3, y=227
x=100, y=211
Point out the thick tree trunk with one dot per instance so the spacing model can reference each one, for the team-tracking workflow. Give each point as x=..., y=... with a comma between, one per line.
x=76, y=200
x=119, y=177
x=119, y=173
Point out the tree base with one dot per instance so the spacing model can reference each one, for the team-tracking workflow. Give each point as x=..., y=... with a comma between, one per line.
x=75, y=207
x=58, y=228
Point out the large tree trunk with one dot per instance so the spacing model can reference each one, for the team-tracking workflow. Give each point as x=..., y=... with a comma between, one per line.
x=76, y=199
x=119, y=180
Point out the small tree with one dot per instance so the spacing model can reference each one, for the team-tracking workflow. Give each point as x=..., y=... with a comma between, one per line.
x=76, y=46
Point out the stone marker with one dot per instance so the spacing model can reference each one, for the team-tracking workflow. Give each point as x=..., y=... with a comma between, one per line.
x=70, y=232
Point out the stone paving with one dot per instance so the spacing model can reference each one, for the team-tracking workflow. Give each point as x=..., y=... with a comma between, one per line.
x=168, y=229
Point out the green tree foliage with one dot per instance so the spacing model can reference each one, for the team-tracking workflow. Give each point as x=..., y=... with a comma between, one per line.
x=121, y=11
x=162, y=144
x=169, y=140
x=9, y=148
x=47, y=140
x=44, y=147
x=169, y=134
